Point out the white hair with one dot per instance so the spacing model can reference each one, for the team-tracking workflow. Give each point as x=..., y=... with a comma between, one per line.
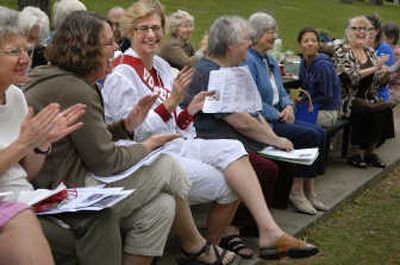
x=178, y=18
x=8, y=24
x=32, y=16
x=62, y=8
x=226, y=30
x=261, y=22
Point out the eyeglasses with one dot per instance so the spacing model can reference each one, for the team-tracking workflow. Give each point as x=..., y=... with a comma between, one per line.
x=145, y=29
x=359, y=29
x=17, y=52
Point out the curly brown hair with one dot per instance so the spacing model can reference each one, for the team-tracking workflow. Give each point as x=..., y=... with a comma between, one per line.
x=76, y=46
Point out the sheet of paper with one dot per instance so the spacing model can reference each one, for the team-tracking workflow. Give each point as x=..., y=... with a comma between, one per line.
x=89, y=199
x=305, y=156
x=146, y=161
x=32, y=197
x=235, y=91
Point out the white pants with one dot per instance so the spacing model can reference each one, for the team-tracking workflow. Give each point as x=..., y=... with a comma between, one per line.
x=204, y=162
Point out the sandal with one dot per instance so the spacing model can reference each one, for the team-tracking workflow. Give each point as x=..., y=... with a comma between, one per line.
x=185, y=258
x=235, y=244
x=356, y=161
x=288, y=246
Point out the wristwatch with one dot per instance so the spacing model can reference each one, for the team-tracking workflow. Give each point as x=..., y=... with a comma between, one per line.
x=37, y=150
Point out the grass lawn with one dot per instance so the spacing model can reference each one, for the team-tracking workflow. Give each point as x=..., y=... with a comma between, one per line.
x=363, y=232
x=291, y=15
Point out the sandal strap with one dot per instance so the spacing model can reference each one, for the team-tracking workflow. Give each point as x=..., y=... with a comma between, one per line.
x=233, y=242
x=219, y=256
x=193, y=256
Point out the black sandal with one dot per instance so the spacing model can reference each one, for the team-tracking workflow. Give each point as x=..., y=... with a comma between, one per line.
x=235, y=244
x=356, y=161
x=373, y=160
x=185, y=258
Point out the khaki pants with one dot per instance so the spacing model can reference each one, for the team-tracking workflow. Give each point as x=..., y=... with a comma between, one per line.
x=93, y=238
x=147, y=215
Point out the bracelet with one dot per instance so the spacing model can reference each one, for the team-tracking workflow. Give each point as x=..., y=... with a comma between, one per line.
x=37, y=150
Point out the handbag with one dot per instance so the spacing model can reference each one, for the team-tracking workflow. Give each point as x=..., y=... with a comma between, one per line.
x=307, y=111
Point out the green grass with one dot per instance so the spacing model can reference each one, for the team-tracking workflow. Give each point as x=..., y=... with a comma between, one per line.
x=291, y=15
x=365, y=231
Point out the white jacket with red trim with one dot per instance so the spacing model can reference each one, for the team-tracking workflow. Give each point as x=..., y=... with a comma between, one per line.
x=123, y=88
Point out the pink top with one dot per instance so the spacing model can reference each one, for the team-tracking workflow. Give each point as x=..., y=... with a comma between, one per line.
x=8, y=210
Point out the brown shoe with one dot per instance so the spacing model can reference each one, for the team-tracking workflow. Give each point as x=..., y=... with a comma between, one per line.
x=288, y=246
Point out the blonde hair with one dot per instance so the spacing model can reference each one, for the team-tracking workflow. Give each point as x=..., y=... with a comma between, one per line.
x=139, y=10
x=178, y=18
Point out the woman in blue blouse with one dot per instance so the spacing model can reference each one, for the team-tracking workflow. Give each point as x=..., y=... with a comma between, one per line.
x=382, y=50
x=318, y=76
x=278, y=110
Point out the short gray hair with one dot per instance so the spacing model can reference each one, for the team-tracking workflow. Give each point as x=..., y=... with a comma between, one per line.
x=225, y=31
x=63, y=8
x=32, y=16
x=8, y=24
x=178, y=18
x=261, y=22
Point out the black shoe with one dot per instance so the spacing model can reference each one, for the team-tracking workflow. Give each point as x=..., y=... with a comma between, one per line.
x=374, y=161
x=356, y=161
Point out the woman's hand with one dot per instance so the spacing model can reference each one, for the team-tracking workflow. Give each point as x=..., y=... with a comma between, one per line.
x=181, y=82
x=204, y=43
x=287, y=115
x=198, y=101
x=139, y=112
x=65, y=123
x=158, y=140
x=49, y=125
x=284, y=144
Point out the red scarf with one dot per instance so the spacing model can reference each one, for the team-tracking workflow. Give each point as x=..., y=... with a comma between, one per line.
x=149, y=78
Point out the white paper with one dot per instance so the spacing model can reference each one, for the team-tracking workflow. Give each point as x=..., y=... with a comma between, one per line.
x=31, y=197
x=235, y=91
x=89, y=199
x=305, y=156
x=146, y=161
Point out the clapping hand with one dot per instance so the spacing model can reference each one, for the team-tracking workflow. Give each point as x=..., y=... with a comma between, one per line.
x=139, y=112
x=49, y=125
x=181, y=82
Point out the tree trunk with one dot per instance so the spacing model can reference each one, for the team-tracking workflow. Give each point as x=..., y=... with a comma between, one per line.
x=44, y=5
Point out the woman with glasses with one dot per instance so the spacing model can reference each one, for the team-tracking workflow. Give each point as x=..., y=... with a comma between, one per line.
x=141, y=72
x=178, y=51
x=80, y=54
x=25, y=139
x=278, y=110
x=362, y=73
